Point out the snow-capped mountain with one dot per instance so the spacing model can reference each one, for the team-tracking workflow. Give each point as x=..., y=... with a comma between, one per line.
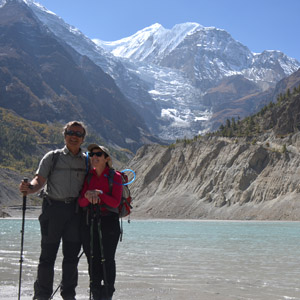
x=166, y=73
x=151, y=43
x=202, y=53
x=198, y=58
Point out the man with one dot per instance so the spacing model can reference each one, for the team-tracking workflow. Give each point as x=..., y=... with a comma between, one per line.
x=59, y=219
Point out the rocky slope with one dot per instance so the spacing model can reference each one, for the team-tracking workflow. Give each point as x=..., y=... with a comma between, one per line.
x=45, y=80
x=9, y=193
x=219, y=178
x=209, y=178
x=255, y=174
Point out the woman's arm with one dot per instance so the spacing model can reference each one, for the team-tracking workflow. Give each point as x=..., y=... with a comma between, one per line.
x=114, y=199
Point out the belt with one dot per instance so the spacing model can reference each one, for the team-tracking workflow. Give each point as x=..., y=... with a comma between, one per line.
x=69, y=200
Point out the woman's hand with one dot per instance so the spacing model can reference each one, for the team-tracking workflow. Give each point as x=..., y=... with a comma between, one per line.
x=93, y=196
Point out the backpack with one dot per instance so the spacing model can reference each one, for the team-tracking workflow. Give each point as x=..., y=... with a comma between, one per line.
x=125, y=204
x=124, y=208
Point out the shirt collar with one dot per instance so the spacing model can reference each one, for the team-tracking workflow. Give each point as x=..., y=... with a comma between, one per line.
x=106, y=170
x=66, y=151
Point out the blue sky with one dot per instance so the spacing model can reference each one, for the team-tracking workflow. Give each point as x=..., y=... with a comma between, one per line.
x=258, y=24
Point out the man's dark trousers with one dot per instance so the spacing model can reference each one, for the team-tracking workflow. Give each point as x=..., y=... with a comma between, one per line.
x=58, y=221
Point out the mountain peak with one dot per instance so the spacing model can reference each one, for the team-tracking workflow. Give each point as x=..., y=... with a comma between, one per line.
x=166, y=73
x=154, y=27
x=155, y=38
x=132, y=42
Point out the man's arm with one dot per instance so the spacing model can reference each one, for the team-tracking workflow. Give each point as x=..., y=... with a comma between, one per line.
x=34, y=186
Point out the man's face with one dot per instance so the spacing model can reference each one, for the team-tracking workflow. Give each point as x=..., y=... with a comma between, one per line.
x=73, y=137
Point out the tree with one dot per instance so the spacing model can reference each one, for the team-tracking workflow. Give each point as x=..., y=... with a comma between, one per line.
x=228, y=125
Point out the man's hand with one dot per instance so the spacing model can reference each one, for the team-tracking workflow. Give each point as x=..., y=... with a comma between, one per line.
x=25, y=187
x=32, y=187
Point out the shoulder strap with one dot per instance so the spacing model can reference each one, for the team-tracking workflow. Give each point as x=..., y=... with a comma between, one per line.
x=87, y=162
x=110, y=178
x=111, y=175
x=89, y=177
x=55, y=156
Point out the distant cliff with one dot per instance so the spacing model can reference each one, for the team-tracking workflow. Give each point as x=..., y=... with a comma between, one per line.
x=248, y=169
x=219, y=178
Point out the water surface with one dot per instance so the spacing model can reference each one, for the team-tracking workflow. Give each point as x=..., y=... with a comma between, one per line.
x=171, y=259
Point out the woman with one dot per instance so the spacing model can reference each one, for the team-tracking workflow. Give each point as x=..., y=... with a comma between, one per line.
x=100, y=222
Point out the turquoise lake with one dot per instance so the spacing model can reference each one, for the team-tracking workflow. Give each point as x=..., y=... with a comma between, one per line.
x=171, y=259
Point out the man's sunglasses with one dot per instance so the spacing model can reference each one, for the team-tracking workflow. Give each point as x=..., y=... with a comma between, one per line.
x=76, y=133
x=99, y=154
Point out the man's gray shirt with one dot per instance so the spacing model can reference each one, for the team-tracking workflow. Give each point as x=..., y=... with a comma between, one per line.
x=66, y=179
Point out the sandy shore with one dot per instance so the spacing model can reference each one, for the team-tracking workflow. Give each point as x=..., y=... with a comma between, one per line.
x=132, y=292
x=17, y=211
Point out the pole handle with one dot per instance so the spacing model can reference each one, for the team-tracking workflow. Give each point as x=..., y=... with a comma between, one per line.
x=25, y=179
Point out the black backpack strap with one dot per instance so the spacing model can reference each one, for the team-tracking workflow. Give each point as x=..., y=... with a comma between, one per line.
x=89, y=177
x=110, y=178
x=111, y=175
x=55, y=156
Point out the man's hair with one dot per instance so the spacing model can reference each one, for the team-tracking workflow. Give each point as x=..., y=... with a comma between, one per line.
x=74, y=123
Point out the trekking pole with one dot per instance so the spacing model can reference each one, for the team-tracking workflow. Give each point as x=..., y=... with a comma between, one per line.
x=91, y=247
x=102, y=250
x=22, y=239
x=51, y=297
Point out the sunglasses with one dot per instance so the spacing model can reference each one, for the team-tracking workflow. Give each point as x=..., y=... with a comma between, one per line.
x=99, y=154
x=75, y=133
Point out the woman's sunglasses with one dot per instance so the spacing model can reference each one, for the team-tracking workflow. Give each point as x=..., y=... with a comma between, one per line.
x=99, y=154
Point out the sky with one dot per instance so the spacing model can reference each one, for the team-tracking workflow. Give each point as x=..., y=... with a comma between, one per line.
x=258, y=24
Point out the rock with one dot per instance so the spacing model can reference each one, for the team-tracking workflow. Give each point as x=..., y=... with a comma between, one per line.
x=4, y=214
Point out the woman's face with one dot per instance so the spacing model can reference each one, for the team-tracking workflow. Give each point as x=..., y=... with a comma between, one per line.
x=98, y=158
